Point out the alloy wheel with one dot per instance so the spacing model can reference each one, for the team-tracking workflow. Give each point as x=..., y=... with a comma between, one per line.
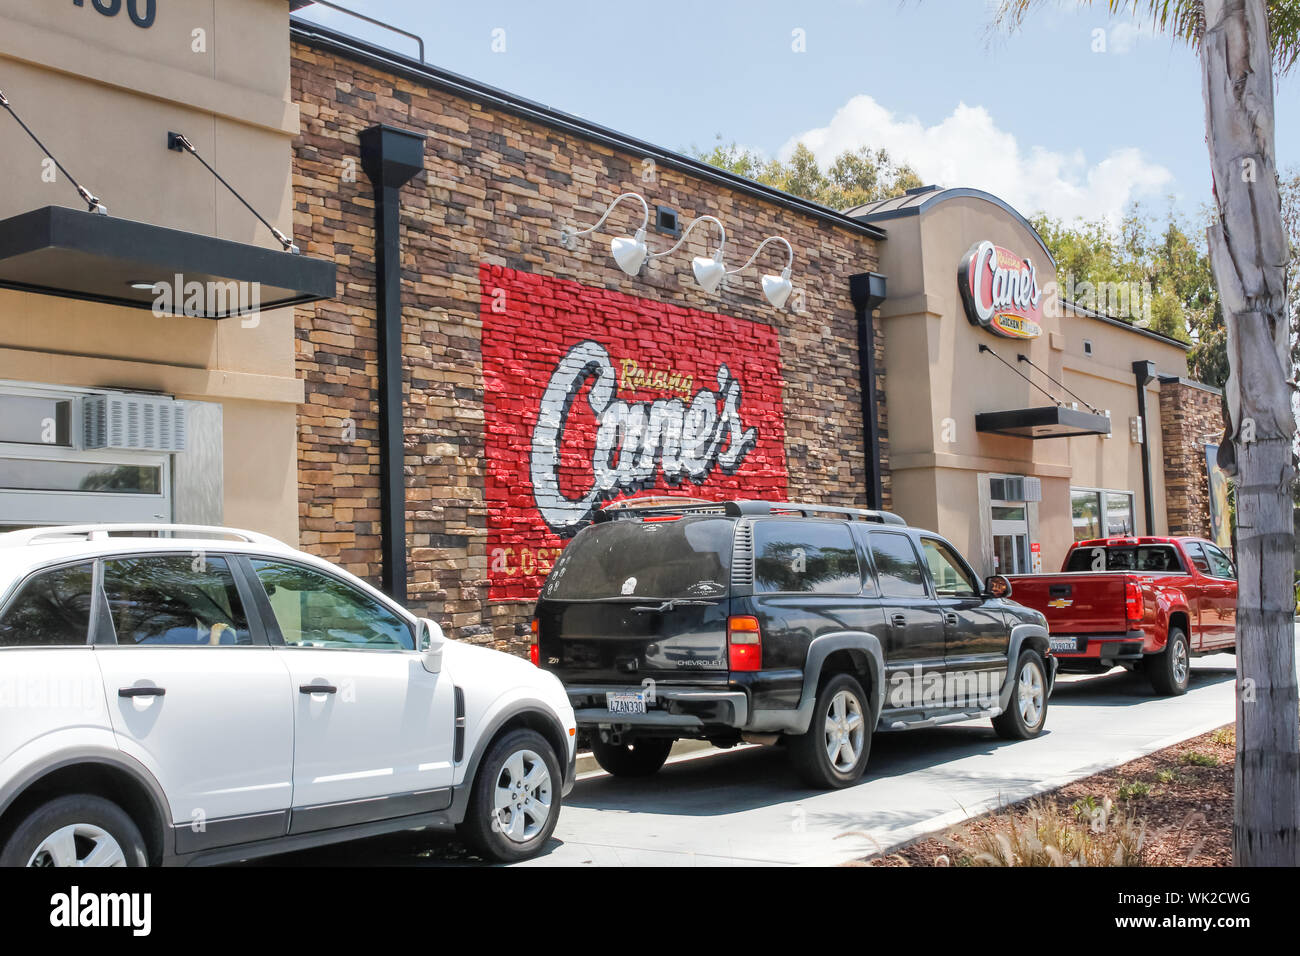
x=1030, y=695
x=1180, y=662
x=845, y=731
x=78, y=844
x=522, y=801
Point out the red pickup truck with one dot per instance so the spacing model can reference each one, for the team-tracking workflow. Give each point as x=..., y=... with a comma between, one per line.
x=1142, y=603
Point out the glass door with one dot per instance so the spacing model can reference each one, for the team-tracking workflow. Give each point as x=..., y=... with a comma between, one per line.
x=1010, y=527
x=1011, y=554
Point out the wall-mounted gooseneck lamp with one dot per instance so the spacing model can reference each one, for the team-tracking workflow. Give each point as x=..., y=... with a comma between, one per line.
x=629, y=252
x=777, y=289
x=709, y=270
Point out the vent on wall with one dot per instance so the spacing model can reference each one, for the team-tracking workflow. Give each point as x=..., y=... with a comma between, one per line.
x=1016, y=488
x=133, y=423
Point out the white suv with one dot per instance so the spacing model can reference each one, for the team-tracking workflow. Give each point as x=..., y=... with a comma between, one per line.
x=174, y=694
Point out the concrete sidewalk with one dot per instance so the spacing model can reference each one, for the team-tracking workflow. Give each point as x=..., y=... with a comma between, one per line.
x=746, y=807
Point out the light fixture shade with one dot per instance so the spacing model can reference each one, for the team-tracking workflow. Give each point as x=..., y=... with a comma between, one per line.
x=708, y=272
x=630, y=252
x=778, y=288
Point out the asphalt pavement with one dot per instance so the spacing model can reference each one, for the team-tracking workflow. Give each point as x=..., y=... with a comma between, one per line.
x=746, y=807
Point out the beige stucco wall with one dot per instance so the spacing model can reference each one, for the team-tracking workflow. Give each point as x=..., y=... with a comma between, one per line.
x=102, y=94
x=938, y=381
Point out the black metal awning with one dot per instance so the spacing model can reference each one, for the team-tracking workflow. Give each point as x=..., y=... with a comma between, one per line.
x=1052, y=421
x=82, y=255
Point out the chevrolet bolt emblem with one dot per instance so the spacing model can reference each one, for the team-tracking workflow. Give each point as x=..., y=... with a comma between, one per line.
x=1060, y=602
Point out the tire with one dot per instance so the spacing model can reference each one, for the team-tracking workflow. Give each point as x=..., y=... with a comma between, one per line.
x=641, y=758
x=517, y=830
x=841, y=698
x=1170, y=671
x=75, y=830
x=1026, y=712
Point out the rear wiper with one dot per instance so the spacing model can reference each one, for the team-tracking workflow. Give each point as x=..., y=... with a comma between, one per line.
x=671, y=604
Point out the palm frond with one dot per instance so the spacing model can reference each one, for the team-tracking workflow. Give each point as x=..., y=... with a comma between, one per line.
x=1182, y=19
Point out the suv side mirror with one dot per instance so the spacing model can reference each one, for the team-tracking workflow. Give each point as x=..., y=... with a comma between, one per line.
x=997, y=586
x=431, y=643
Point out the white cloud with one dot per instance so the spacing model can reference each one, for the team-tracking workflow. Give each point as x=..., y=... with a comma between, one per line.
x=968, y=149
x=1124, y=35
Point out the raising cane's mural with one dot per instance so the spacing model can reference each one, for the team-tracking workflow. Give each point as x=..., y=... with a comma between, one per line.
x=592, y=395
x=1000, y=291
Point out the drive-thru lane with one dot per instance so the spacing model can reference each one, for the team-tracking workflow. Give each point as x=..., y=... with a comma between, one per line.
x=746, y=807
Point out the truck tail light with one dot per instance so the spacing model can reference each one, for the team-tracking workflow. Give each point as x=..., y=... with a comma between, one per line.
x=1134, y=608
x=744, y=644
x=534, y=649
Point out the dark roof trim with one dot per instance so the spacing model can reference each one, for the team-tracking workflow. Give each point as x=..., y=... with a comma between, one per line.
x=1120, y=323
x=353, y=48
x=935, y=196
x=1190, y=383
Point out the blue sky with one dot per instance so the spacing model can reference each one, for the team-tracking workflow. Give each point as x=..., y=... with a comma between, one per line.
x=1040, y=118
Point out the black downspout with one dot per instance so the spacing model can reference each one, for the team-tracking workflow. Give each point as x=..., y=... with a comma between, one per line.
x=867, y=290
x=1145, y=372
x=390, y=157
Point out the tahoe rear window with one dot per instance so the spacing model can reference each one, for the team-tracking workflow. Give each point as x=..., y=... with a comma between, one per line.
x=686, y=558
x=1146, y=557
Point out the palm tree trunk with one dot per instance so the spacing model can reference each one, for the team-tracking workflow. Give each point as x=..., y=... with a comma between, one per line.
x=1248, y=255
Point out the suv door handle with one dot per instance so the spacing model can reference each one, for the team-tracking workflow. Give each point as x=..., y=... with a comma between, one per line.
x=950, y=619
x=141, y=691
x=899, y=620
x=317, y=689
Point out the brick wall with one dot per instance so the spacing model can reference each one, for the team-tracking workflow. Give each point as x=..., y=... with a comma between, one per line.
x=1189, y=414
x=495, y=192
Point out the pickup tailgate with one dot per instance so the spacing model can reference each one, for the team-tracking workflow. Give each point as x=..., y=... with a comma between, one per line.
x=1076, y=603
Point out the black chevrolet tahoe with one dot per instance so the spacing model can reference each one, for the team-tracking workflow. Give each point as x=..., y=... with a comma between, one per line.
x=777, y=623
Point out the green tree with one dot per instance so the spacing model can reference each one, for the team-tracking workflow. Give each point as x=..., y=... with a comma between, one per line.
x=1241, y=44
x=1149, y=273
x=854, y=177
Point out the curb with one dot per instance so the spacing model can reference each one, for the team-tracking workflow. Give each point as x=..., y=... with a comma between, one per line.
x=946, y=821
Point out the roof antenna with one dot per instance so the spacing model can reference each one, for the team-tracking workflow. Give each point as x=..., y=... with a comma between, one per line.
x=180, y=144
x=91, y=200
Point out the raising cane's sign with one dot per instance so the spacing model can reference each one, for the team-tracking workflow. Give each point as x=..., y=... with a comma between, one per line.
x=592, y=395
x=1000, y=292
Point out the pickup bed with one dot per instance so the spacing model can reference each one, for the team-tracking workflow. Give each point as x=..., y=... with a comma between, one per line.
x=1148, y=603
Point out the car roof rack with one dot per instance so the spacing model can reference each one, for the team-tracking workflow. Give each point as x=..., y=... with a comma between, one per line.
x=659, y=506
x=805, y=510
x=662, y=507
x=54, y=534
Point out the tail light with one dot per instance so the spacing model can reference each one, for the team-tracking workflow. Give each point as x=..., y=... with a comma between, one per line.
x=1135, y=610
x=744, y=644
x=534, y=649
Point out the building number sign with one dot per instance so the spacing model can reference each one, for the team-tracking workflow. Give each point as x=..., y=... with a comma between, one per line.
x=141, y=12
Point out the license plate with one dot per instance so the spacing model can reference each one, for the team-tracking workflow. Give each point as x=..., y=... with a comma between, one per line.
x=625, y=703
x=1065, y=645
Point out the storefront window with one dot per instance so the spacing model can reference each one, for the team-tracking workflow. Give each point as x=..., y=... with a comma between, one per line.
x=1097, y=514
x=32, y=420
x=34, y=475
x=1085, y=510
x=1119, y=514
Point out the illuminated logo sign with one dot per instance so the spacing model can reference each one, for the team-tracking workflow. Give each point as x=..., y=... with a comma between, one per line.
x=1000, y=292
